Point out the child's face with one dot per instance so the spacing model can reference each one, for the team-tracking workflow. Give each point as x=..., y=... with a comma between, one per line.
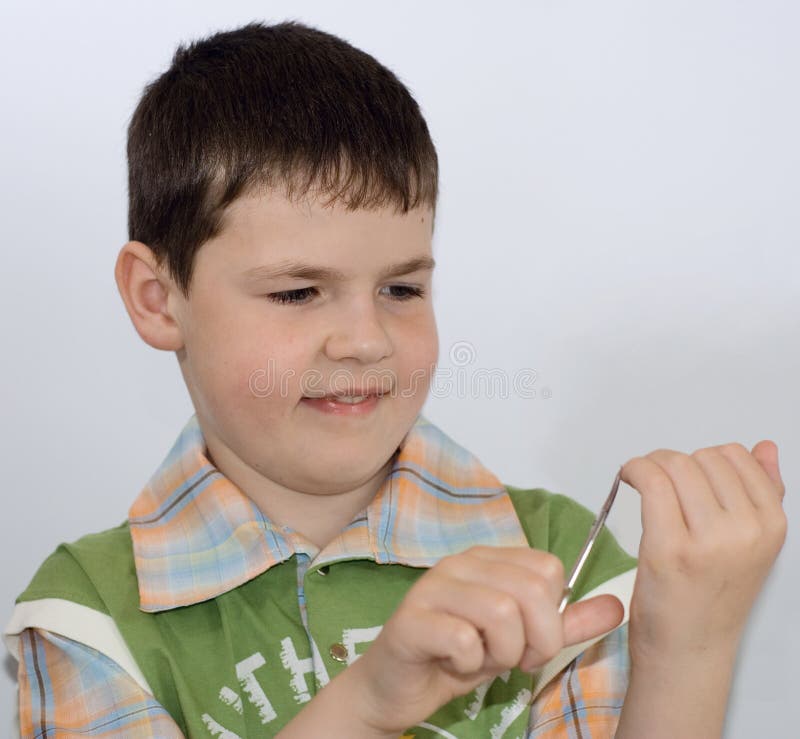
x=249, y=361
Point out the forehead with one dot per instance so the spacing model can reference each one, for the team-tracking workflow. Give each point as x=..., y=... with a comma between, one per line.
x=264, y=227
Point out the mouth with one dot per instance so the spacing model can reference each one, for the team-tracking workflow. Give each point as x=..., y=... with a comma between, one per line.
x=355, y=403
x=350, y=394
x=350, y=399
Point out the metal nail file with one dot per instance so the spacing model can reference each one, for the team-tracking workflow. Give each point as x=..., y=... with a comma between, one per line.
x=587, y=547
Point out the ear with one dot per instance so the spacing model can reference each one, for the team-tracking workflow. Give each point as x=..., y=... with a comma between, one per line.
x=150, y=297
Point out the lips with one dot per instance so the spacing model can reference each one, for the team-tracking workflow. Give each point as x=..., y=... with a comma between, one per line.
x=338, y=399
x=342, y=406
x=348, y=394
x=349, y=399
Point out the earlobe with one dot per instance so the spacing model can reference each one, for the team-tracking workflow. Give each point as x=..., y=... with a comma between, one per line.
x=145, y=290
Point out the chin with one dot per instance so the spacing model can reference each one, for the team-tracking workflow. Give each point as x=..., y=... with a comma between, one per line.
x=347, y=471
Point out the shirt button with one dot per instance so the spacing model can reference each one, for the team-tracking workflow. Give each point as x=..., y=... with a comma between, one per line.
x=338, y=652
x=323, y=570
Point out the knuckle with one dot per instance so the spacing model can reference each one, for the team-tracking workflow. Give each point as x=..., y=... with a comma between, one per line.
x=734, y=448
x=464, y=637
x=660, y=452
x=448, y=565
x=679, y=463
x=537, y=588
x=662, y=455
x=552, y=567
x=703, y=454
x=545, y=565
x=503, y=607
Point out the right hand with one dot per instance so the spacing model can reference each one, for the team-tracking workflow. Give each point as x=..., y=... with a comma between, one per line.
x=471, y=617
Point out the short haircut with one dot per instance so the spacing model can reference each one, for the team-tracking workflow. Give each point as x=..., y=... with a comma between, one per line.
x=285, y=106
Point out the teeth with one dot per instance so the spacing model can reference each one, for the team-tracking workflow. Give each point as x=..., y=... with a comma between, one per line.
x=350, y=399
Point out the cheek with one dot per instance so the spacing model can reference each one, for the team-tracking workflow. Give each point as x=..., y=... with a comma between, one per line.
x=421, y=342
x=240, y=363
x=271, y=370
x=419, y=356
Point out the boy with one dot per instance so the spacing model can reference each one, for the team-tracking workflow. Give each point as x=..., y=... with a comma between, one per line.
x=313, y=557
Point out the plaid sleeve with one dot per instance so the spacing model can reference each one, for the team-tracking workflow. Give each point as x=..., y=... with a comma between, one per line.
x=67, y=688
x=586, y=698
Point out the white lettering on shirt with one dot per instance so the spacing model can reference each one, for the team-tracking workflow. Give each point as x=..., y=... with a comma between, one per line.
x=351, y=637
x=254, y=691
x=510, y=713
x=229, y=698
x=474, y=708
x=302, y=667
x=216, y=729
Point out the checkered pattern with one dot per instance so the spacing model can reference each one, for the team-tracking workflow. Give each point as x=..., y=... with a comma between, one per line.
x=196, y=535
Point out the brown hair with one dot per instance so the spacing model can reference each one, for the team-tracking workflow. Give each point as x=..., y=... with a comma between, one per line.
x=261, y=105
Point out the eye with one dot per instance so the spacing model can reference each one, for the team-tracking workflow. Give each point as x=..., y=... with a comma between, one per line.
x=292, y=296
x=302, y=295
x=407, y=292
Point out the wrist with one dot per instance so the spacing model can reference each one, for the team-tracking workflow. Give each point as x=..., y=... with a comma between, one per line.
x=698, y=683
x=356, y=689
x=688, y=662
x=341, y=708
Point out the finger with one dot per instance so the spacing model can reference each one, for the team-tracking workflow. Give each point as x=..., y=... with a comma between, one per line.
x=537, y=598
x=763, y=491
x=693, y=489
x=493, y=612
x=662, y=517
x=439, y=635
x=535, y=560
x=725, y=481
x=589, y=618
x=583, y=620
x=766, y=454
x=523, y=561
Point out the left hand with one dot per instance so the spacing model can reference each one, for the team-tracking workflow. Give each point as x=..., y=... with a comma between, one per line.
x=713, y=524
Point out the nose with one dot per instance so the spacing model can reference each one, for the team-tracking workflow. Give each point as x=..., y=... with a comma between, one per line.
x=359, y=334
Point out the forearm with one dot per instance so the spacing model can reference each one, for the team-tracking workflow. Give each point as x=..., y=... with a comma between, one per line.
x=686, y=699
x=335, y=711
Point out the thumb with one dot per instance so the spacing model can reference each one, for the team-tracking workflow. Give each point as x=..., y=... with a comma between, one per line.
x=589, y=618
x=766, y=454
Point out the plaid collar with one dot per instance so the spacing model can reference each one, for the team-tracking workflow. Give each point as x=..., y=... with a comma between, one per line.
x=196, y=535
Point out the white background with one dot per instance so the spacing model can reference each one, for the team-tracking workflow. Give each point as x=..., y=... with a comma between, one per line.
x=619, y=212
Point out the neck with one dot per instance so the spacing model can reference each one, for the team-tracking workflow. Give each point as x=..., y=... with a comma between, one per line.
x=318, y=517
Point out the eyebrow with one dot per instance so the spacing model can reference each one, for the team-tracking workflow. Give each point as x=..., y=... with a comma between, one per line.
x=302, y=271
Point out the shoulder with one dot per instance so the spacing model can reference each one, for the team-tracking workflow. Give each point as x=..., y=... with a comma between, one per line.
x=76, y=570
x=82, y=591
x=548, y=517
x=559, y=524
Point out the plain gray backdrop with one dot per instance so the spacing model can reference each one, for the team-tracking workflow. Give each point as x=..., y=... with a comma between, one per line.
x=618, y=215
